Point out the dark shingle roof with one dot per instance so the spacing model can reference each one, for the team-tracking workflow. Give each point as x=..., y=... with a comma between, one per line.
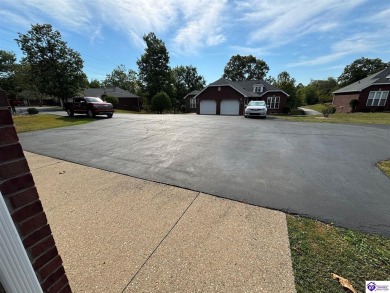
x=381, y=77
x=193, y=93
x=111, y=91
x=245, y=87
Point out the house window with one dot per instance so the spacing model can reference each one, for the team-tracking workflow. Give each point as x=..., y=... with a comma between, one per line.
x=377, y=98
x=258, y=88
x=192, y=103
x=273, y=102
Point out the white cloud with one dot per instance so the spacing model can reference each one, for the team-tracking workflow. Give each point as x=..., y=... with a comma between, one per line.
x=203, y=23
x=280, y=22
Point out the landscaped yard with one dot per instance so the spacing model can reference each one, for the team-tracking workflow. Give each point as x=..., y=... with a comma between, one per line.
x=25, y=123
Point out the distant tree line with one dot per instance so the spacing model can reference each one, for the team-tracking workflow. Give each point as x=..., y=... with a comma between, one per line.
x=50, y=69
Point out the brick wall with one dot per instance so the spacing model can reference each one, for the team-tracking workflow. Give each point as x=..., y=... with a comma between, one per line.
x=18, y=189
x=341, y=102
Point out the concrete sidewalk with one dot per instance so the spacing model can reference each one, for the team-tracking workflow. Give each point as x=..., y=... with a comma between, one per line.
x=116, y=233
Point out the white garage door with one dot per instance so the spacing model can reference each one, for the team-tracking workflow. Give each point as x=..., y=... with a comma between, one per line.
x=208, y=107
x=230, y=107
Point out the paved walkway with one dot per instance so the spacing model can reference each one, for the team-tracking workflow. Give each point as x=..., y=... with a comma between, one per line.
x=309, y=111
x=116, y=233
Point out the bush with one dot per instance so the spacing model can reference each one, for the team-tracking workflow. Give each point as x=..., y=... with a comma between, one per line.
x=160, y=102
x=111, y=99
x=327, y=110
x=297, y=112
x=286, y=110
x=183, y=109
x=32, y=111
x=353, y=103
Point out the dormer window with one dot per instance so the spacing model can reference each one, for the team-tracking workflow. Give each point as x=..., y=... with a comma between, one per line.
x=258, y=88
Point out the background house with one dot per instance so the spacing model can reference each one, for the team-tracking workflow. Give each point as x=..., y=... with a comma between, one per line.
x=127, y=100
x=190, y=102
x=372, y=93
x=226, y=97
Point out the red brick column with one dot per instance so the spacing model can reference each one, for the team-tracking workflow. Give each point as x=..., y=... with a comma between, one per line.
x=20, y=194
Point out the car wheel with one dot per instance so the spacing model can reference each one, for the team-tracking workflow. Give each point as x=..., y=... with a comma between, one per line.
x=70, y=112
x=109, y=115
x=90, y=114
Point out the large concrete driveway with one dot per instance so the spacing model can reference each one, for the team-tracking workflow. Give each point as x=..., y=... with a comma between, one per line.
x=324, y=171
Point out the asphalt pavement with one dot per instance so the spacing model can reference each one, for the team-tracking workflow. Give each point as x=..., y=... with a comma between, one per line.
x=323, y=171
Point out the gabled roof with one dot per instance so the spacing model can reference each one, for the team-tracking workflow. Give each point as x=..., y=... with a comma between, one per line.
x=193, y=93
x=381, y=77
x=245, y=87
x=111, y=91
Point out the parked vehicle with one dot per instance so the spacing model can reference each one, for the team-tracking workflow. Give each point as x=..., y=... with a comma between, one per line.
x=91, y=106
x=256, y=108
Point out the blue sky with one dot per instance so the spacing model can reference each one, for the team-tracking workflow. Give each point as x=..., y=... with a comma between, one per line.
x=310, y=39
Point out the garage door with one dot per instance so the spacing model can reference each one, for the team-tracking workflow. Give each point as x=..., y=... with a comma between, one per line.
x=230, y=107
x=208, y=107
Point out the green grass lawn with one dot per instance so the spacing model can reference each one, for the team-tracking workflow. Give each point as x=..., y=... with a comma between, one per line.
x=318, y=249
x=352, y=118
x=25, y=123
x=385, y=167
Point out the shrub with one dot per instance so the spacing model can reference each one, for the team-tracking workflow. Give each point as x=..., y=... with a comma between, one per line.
x=160, y=102
x=353, y=103
x=327, y=110
x=183, y=109
x=111, y=99
x=32, y=111
x=286, y=110
x=297, y=112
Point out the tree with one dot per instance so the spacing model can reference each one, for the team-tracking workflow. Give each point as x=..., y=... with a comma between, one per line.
x=7, y=64
x=325, y=88
x=361, y=68
x=311, y=95
x=185, y=80
x=123, y=78
x=245, y=68
x=286, y=83
x=160, y=102
x=154, y=70
x=56, y=69
x=94, y=83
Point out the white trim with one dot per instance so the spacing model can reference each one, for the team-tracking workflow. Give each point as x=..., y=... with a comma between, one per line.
x=16, y=272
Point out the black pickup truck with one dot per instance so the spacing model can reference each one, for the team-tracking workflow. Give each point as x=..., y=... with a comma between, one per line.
x=91, y=106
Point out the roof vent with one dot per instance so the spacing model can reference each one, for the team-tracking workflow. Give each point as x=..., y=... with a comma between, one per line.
x=388, y=77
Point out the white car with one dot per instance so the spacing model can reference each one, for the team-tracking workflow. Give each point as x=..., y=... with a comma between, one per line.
x=256, y=108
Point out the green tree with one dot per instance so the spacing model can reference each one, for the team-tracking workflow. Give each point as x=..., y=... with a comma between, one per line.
x=245, y=68
x=286, y=83
x=154, y=70
x=325, y=88
x=361, y=68
x=160, y=102
x=7, y=64
x=311, y=95
x=56, y=69
x=94, y=83
x=123, y=78
x=185, y=80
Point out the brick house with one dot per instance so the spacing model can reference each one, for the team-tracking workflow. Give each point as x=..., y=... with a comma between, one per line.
x=226, y=97
x=190, y=102
x=29, y=259
x=127, y=100
x=372, y=93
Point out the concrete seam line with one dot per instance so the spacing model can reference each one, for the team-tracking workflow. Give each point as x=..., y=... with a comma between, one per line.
x=159, y=244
